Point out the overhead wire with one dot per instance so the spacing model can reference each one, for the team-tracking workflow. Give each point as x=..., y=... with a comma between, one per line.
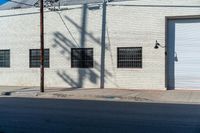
x=59, y=17
x=70, y=33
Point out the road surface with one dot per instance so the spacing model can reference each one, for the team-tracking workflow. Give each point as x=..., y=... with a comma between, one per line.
x=26, y=115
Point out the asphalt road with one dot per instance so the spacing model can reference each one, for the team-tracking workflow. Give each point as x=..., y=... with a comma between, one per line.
x=24, y=115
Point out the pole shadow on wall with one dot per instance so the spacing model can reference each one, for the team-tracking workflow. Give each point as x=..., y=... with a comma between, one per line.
x=64, y=44
x=170, y=59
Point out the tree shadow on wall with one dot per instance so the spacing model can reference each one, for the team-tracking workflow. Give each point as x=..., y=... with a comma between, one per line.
x=64, y=45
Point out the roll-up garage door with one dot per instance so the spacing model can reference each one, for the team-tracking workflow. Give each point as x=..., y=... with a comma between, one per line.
x=183, y=50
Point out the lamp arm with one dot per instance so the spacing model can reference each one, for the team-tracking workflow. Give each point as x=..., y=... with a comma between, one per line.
x=161, y=46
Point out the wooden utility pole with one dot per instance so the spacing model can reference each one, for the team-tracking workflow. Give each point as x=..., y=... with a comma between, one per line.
x=41, y=46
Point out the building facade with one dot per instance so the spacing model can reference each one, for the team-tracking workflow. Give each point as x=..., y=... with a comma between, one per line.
x=74, y=36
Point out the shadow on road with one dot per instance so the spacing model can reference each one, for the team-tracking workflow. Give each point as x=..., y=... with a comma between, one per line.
x=83, y=116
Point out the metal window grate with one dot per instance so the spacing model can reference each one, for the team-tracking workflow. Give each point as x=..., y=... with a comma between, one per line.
x=4, y=58
x=82, y=57
x=129, y=57
x=35, y=58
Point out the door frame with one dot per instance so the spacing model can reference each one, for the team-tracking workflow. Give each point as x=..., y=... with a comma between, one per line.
x=167, y=19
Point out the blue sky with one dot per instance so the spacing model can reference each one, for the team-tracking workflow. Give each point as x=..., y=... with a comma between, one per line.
x=2, y=1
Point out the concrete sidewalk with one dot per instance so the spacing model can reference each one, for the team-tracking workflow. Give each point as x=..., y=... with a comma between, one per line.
x=173, y=96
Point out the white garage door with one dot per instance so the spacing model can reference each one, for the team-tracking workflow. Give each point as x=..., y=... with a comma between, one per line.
x=184, y=54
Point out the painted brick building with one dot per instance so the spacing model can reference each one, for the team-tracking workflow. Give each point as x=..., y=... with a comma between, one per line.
x=73, y=40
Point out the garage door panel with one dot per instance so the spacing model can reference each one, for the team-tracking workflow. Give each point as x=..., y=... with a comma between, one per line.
x=184, y=44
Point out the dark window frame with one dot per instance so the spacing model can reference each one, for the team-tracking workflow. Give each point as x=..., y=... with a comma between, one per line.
x=5, y=65
x=137, y=66
x=83, y=55
x=37, y=58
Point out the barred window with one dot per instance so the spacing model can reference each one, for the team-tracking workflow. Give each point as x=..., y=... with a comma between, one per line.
x=35, y=58
x=4, y=58
x=129, y=57
x=82, y=57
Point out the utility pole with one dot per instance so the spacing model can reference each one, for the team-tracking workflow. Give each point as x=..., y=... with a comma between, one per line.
x=41, y=46
x=103, y=37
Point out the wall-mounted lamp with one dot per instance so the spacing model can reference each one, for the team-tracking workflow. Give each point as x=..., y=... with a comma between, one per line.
x=157, y=45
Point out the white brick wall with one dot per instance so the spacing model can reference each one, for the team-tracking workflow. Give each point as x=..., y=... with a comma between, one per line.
x=128, y=25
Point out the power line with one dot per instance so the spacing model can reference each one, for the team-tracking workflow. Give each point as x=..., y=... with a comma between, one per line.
x=70, y=33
